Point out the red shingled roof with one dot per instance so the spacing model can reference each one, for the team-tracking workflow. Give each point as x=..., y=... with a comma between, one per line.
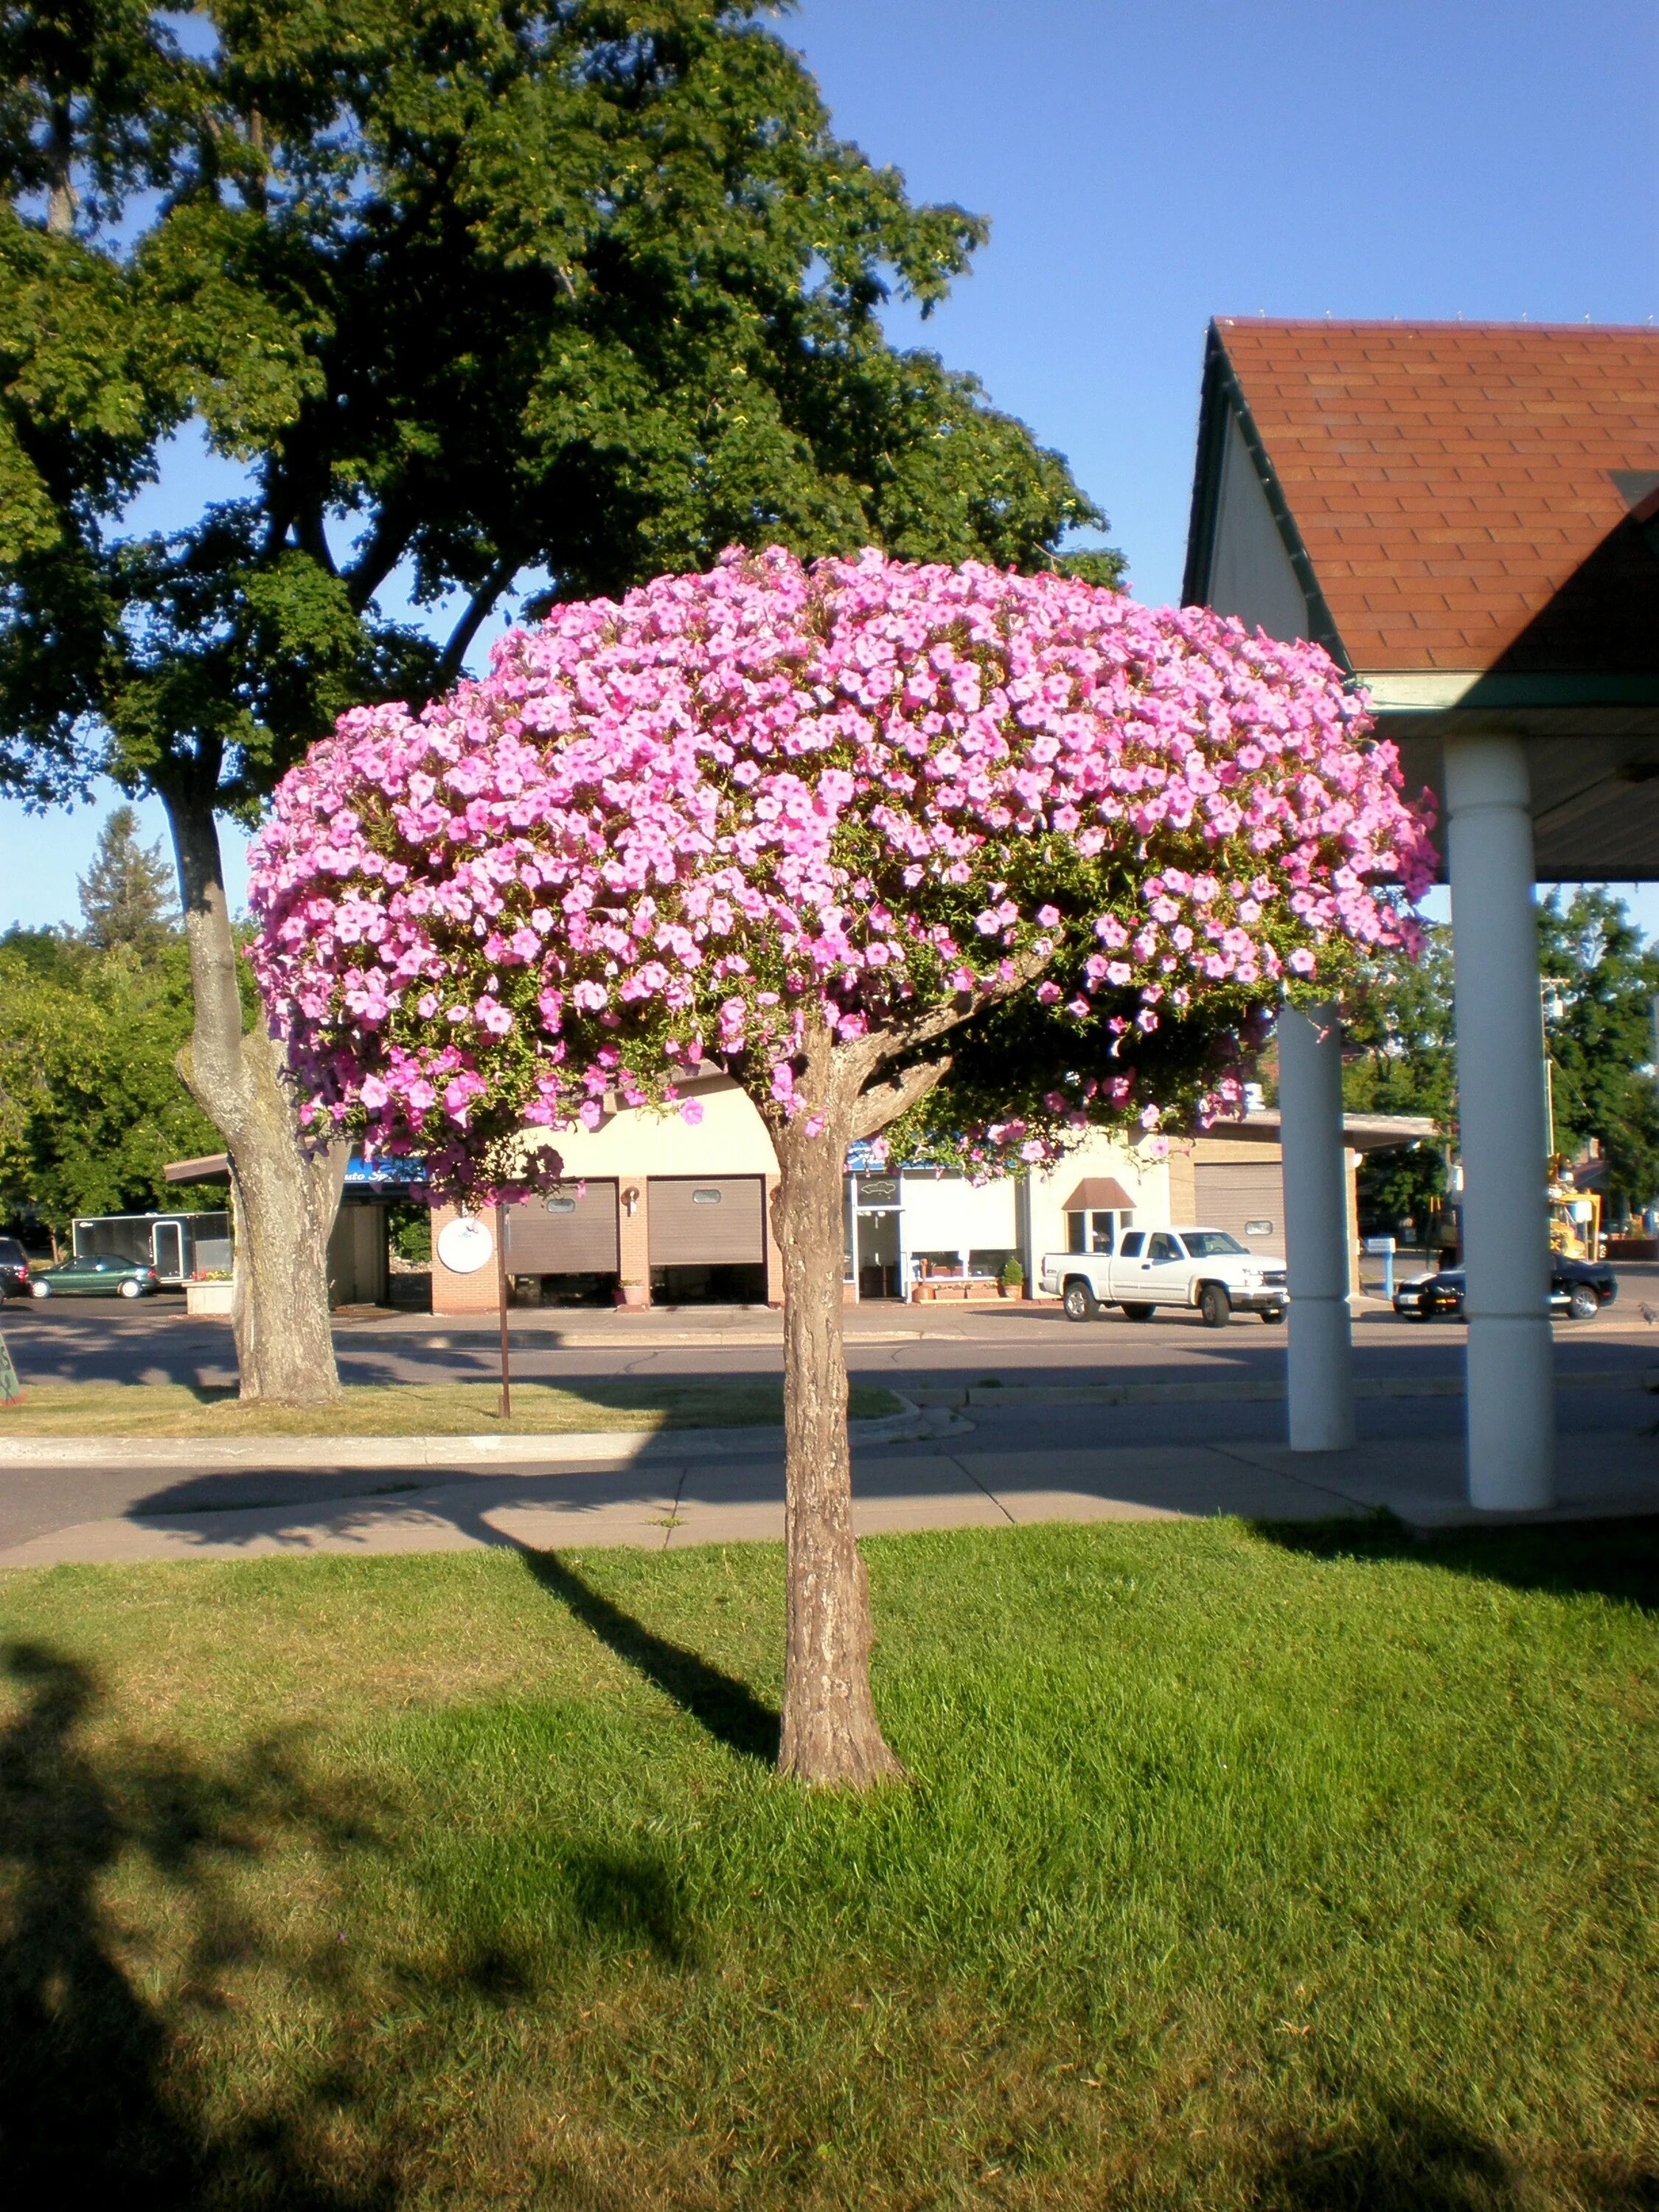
x=1456, y=485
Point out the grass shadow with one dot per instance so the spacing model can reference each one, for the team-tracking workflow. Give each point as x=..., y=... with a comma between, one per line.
x=1414, y=2158
x=720, y=1703
x=97, y=2105
x=627, y=1894
x=1610, y=1559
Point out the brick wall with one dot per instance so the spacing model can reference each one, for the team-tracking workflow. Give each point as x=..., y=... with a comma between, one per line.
x=1183, y=1183
x=633, y=1233
x=461, y=1294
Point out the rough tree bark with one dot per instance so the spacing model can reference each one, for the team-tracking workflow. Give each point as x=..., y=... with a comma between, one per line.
x=283, y=1198
x=830, y=1736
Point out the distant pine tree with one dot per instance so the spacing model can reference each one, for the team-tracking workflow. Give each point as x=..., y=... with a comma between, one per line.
x=126, y=896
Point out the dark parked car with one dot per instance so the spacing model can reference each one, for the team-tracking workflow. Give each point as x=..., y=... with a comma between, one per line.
x=102, y=1278
x=1578, y=1291
x=14, y=1269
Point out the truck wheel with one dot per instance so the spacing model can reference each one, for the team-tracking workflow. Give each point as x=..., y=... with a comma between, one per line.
x=1274, y=1313
x=1079, y=1302
x=1215, y=1306
x=1138, y=1313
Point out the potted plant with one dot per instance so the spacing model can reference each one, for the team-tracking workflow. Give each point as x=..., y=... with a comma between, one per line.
x=210, y=1290
x=1013, y=1279
x=630, y=1292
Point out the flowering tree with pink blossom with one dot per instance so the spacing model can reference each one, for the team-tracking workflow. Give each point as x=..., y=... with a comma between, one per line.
x=883, y=842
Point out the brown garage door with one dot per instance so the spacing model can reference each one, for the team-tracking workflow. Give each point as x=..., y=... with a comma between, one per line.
x=571, y=1232
x=1249, y=1200
x=707, y=1221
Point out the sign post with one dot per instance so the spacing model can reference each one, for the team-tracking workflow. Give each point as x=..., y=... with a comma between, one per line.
x=501, y=1295
x=1385, y=1245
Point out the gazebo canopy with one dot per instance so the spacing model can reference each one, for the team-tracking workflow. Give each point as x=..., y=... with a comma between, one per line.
x=1466, y=516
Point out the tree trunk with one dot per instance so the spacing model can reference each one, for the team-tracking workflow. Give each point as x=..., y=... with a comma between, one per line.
x=283, y=1198
x=831, y=1734
x=62, y=198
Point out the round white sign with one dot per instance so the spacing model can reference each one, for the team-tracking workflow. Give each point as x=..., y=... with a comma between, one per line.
x=464, y=1245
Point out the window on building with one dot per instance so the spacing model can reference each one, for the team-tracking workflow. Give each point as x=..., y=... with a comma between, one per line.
x=936, y=1263
x=991, y=1262
x=876, y=1190
x=1091, y=1232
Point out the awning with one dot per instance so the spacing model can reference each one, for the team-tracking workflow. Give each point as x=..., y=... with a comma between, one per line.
x=1361, y=1133
x=381, y=1173
x=211, y=1167
x=1099, y=1194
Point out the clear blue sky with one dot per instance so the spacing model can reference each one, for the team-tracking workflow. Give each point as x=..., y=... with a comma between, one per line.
x=1146, y=167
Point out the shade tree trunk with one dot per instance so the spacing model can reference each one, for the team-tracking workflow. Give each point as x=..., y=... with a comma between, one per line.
x=830, y=1736
x=284, y=1194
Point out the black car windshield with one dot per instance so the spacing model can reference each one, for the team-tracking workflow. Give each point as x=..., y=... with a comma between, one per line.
x=1210, y=1243
x=11, y=1252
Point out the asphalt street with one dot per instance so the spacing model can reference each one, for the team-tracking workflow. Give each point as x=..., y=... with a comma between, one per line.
x=1604, y=1406
x=154, y=1341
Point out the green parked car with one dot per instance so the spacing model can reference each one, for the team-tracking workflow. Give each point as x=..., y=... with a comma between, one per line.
x=102, y=1278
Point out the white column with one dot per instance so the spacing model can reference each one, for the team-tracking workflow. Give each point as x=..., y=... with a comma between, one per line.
x=1500, y=1099
x=1320, y=1352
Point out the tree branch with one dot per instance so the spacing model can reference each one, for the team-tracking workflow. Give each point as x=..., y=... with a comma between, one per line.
x=477, y=607
x=902, y=1035
x=383, y=549
x=881, y=1105
x=313, y=537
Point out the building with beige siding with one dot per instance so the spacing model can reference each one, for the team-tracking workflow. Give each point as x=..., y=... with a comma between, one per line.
x=655, y=1210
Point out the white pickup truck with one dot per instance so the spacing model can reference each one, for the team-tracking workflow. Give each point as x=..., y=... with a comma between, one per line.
x=1151, y=1268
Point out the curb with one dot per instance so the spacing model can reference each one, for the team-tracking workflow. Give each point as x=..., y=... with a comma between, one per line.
x=620, y=1447
x=1061, y=1394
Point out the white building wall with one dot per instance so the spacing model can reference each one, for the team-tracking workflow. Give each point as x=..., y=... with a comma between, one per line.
x=729, y=1139
x=948, y=1213
x=1146, y=1180
x=941, y=1213
x=1250, y=572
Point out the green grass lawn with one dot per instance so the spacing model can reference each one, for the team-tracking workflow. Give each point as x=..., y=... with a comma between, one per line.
x=1241, y=1869
x=411, y=1409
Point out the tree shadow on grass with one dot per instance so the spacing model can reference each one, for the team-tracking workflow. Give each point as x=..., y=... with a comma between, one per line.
x=1612, y=1558
x=719, y=1702
x=1412, y=2158
x=98, y=2101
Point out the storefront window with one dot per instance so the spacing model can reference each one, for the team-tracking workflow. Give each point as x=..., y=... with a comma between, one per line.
x=876, y=1190
x=990, y=1262
x=936, y=1263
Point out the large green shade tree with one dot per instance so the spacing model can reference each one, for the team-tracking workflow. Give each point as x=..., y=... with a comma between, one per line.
x=481, y=297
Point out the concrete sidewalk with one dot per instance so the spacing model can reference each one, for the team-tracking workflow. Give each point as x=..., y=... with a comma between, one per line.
x=669, y=1503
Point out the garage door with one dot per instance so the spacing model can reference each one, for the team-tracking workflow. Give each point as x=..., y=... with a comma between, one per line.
x=1248, y=1200
x=707, y=1221
x=571, y=1232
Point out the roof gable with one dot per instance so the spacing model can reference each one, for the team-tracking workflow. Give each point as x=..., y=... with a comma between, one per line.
x=1455, y=495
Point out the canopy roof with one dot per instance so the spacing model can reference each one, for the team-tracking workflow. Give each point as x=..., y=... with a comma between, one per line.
x=1361, y=1133
x=1099, y=1194
x=1466, y=516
